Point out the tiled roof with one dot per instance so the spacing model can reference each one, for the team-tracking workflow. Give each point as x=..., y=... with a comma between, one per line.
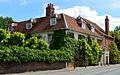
x=43, y=24
x=72, y=25
x=97, y=28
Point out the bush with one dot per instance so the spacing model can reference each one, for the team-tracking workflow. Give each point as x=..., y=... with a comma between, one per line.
x=16, y=38
x=25, y=54
x=4, y=35
x=35, y=43
x=114, y=54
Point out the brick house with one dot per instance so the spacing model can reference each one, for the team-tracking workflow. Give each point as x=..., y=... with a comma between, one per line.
x=44, y=27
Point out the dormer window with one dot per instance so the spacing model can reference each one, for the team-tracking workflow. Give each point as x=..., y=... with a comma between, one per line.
x=83, y=24
x=28, y=25
x=53, y=21
x=92, y=28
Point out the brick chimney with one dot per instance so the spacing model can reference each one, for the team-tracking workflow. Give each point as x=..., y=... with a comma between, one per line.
x=107, y=25
x=49, y=10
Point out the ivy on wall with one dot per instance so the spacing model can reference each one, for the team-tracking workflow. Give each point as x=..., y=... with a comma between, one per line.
x=57, y=39
x=63, y=48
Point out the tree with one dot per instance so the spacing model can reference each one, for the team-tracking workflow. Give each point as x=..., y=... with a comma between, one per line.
x=117, y=28
x=5, y=23
x=96, y=51
x=116, y=35
x=4, y=35
x=114, y=54
x=16, y=38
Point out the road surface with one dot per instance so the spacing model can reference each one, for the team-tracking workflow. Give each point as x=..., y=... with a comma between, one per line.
x=102, y=70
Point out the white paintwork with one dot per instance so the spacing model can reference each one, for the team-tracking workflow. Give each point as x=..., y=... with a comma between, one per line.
x=44, y=36
x=53, y=21
x=28, y=25
x=105, y=54
x=84, y=26
x=66, y=25
x=77, y=33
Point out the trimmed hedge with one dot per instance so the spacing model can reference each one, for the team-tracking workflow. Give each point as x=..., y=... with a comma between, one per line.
x=25, y=54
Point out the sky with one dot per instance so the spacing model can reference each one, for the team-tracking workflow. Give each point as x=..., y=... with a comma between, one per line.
x=94, y=10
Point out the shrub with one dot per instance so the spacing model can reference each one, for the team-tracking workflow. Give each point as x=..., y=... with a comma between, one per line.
x=32, y=42
x=16, y=38
x=35, y=43
x=25, y=54
x=4, y=35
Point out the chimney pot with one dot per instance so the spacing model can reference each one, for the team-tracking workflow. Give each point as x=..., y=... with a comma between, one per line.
x=49, y=10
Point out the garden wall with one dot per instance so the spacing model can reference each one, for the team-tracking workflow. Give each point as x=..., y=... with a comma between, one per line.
x=13, y=67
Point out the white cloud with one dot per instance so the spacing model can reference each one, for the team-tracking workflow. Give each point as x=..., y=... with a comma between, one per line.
x=24, y=2
x=89, y=14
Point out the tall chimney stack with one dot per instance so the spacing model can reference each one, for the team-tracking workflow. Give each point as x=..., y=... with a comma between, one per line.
x=107, y=25
x=49, y=10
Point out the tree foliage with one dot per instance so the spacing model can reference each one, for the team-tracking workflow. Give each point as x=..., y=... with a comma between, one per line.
x=4, y=35
x=16, y=38
x=63, y=48
x=5, y=23
x=117, y=28
x=116, y=35
x=114, y=54
x=96, y=51
x=57, y=40
x=35, y=43
x=25, y=54
x=85, y=52
x=70, y=45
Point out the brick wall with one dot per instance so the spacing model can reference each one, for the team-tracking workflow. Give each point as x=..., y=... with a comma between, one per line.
x=12, y=67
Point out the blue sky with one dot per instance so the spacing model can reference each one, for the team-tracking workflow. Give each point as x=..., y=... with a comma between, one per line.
x=25, y=9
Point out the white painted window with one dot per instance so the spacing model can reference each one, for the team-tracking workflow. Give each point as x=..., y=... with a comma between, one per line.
x=83, y=24
x=92, y=28
x=49, y=38
x=53, y=21
x=28, y=25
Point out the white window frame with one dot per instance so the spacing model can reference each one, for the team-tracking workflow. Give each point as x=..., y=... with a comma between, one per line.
x=29, y=26
x=53, y=21
x=84, y=26
x=92, y=28
x=50, y=36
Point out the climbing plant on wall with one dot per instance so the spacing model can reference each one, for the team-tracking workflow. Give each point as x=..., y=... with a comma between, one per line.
x=57, y=40
x=96, y=51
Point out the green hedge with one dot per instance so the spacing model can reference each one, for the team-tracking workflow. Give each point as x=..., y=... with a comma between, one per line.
x=25, y=54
